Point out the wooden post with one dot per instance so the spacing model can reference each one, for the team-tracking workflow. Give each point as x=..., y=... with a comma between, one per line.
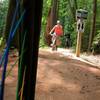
x=78, y=46
x=80, y=16
x=80, y=30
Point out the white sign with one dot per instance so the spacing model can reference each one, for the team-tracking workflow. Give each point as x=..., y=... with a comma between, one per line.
x=80, y=26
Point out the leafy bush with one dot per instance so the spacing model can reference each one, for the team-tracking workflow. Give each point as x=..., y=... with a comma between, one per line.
x=96, y=44
x=42, y=43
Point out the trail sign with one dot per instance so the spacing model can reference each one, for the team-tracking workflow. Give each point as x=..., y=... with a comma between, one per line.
x=80, y=26
x=81, y=13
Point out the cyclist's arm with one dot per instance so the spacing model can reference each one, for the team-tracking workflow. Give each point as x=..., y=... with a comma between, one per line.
x=52, y=30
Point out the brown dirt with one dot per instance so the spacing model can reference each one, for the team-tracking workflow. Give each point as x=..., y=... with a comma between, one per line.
x=60, y=78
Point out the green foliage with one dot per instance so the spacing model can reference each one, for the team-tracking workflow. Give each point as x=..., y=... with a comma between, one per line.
x=85, y=36
x=1, y=40
x=96, y=44
x=42, y=43
x=3, y=13
x=2, y=43
x=46, y=7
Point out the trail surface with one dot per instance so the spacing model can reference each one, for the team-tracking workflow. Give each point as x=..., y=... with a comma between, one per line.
x=60, y=77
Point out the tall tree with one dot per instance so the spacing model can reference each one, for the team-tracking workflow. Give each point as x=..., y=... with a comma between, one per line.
x=75, y=2
x=54, y=12
x=51, y=20
x=73, y=7
x=48, y=28
x=93, y=26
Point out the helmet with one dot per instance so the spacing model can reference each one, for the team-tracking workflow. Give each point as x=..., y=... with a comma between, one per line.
x=58, y=21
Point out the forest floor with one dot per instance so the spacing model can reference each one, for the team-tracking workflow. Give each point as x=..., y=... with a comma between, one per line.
x=61, y=76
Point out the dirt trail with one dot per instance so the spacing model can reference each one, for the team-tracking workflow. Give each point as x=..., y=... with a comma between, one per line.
x=60, y=78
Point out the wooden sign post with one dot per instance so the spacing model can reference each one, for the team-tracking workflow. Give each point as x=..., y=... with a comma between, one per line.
x=78, y=47
x=80, y=29
x=80, y=16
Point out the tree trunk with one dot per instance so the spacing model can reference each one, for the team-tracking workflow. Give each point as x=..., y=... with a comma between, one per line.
x=93, y=27
x=73, y=7
x=75, y=2
x=48, y=28
x=54, y=12
x=51, y=20
x=29, y=50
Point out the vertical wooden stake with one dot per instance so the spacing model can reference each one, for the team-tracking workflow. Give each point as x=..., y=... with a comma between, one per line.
x=78, y=47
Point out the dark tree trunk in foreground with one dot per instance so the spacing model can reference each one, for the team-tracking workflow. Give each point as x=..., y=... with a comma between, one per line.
x=11, y=10
x=29, y=52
